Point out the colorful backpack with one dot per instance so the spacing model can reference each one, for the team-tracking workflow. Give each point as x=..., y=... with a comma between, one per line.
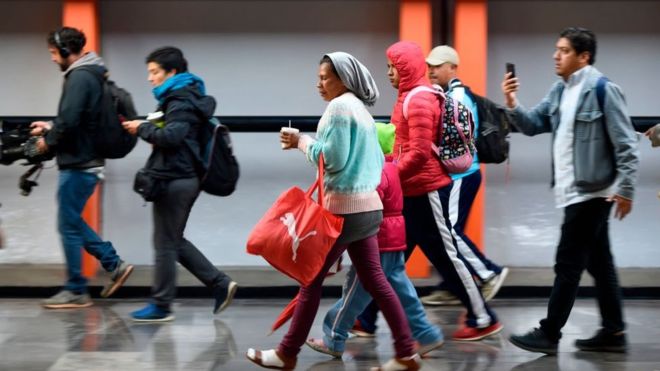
x=456, y=131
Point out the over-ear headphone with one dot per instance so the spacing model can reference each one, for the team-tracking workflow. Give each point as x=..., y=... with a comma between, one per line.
x=64, y=51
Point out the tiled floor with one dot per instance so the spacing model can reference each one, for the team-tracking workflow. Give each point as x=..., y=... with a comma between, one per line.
x=103, y=338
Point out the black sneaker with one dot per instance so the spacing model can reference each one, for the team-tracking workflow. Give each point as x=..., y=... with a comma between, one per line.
x=223, y=296
x=535, y=341
x=604, y=341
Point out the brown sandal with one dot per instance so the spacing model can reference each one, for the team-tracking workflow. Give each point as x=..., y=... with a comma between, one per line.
x=289, y=363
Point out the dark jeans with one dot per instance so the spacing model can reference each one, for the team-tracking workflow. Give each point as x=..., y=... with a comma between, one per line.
x=74, y=188
x=584, y=244
x=171, y=212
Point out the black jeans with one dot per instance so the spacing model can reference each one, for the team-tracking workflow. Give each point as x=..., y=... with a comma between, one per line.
x=171, y=211
x=584, y=244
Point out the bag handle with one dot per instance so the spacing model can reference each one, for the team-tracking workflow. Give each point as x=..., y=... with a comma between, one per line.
x=319, y=182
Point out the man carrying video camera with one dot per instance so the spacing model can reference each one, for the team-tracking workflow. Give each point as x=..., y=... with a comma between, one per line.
x=69, y=136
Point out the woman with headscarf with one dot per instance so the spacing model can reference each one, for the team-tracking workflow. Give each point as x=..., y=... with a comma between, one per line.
x=347, y=139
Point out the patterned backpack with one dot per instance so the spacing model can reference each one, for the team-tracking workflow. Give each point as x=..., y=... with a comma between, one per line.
x=456, y=133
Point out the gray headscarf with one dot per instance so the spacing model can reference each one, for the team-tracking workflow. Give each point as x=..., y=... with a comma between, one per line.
x=355, y=76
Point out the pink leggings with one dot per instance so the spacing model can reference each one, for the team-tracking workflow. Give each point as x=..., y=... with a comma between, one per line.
x=366, y=259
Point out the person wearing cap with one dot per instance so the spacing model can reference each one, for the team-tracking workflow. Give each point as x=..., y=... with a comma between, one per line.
x=595, y=160
x=442, y=65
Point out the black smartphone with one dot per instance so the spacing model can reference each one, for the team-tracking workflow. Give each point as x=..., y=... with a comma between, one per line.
x=511, y=68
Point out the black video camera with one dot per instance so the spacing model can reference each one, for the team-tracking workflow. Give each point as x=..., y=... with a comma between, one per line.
x=16, y=143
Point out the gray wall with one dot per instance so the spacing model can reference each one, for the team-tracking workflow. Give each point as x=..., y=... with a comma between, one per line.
x=29, y=82
x=260, y=58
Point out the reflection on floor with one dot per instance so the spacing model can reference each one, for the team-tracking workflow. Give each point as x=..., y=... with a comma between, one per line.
x=102, y=337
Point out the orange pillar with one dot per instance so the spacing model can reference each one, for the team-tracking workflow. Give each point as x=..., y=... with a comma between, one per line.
x=415, y=25
x=471, y=43
x=83, y=15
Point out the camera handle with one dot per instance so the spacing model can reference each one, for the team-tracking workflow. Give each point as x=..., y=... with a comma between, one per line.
x=26, y=184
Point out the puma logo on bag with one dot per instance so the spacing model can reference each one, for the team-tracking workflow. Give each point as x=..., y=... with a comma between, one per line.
x=290, y=222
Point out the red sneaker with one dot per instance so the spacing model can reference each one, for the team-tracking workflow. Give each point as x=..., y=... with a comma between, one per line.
x=473, y=333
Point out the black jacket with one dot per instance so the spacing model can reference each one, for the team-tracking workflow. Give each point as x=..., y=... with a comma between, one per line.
x=78, y=111
x=176, y=149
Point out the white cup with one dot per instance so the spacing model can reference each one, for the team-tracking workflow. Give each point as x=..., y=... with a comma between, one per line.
x=290, y=130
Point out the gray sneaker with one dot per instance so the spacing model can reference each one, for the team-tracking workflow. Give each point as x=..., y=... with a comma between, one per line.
x=67, y=299
x=440, y=297
x=490, y=288
x=117, y=278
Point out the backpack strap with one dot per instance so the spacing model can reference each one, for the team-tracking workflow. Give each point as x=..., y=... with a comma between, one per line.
x=414, y=91
x=600, y=91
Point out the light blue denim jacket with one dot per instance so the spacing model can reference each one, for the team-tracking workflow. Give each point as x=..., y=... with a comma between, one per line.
x=605, y=143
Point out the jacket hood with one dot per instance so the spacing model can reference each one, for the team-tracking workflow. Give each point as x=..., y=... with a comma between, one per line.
x=88, y=59
x=203, y=103
x=409, y=61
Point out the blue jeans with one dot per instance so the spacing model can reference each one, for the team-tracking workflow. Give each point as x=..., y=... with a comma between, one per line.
x=341, y=317
x=73, y=190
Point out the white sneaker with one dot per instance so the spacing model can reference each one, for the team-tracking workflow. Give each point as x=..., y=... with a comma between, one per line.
x=440, y=297
x=490, y=288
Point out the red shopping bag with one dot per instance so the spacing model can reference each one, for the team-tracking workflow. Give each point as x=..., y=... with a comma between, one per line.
x=296, y=233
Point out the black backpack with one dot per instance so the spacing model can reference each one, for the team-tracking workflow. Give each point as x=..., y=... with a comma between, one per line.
x=110, y=138
x=219, y=173
x=492, y=139
x=122, y=101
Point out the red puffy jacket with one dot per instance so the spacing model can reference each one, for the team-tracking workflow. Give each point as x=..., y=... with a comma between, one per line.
x=419, y=167
x=392, y=234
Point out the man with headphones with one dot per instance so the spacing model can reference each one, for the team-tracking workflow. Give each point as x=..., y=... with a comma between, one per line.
x=69, y=136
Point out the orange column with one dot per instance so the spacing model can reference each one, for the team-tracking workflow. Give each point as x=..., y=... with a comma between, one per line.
x=83, y=15
x=471, y=43
x=415, y=25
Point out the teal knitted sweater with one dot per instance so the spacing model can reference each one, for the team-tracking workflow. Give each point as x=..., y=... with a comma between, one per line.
x=346, y=135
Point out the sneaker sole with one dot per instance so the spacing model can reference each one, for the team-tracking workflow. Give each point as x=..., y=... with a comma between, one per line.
x=604, y=349
x=425, y=349
x=498, y=285
x=324, y=350
x=440, y=303
x=479, y=337
x=362, y=334
x=551, y=352
x=165, y=319
x=67, y=306
x=231, y=291
x=117, y=284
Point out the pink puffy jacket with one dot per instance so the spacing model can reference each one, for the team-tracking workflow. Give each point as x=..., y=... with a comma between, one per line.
x=419, y=168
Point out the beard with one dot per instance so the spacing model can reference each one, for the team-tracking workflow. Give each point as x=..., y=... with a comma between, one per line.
x=64, y=65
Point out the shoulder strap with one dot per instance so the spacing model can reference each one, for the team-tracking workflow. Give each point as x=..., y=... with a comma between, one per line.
x=414, y=91
x=600, y=91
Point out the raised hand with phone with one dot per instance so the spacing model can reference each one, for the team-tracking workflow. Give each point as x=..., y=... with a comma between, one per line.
x=510, y=85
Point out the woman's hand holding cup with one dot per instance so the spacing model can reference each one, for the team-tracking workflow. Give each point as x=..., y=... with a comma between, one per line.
x=289, y=137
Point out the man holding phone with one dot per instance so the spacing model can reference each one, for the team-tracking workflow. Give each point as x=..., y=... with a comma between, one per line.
x=595, y=160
